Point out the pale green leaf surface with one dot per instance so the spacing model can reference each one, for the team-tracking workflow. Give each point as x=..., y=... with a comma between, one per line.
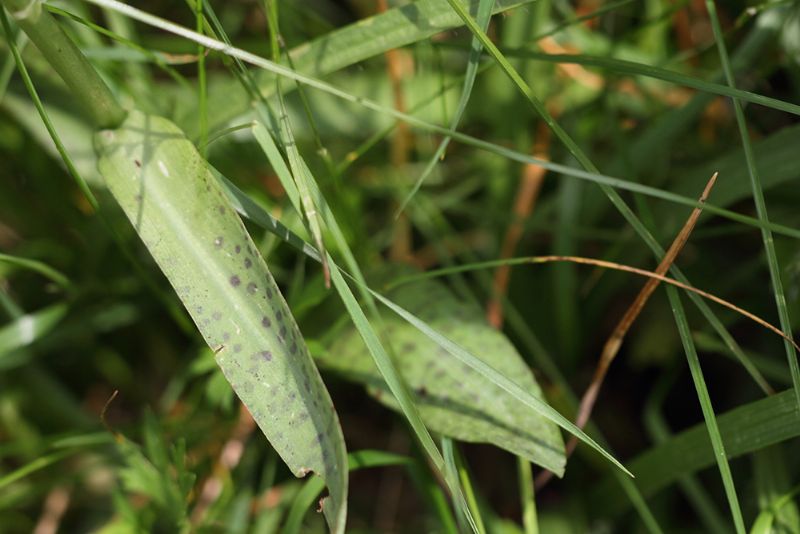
x=454, y=399
x=184, y=218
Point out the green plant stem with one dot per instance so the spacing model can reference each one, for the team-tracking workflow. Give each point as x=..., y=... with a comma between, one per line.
x=58, y=49
x=527, y=497
x=758, y=199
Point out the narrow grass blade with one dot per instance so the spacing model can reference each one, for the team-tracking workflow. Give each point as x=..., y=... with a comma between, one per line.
x=708, y=410
x=357, y=460
x=379, y=354
x=302, y=176
x=181, y=213
x=498, y=378
x=640, y=69
x=744, y=429
x=761, y=207
x=38, y=267
x=612, y=194
x=454, y=400
x=606, y=182
x=483, y=18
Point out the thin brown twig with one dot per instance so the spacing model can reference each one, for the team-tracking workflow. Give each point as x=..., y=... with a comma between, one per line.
x=55, y=505
x=527, y=194
x=666, y=280
x=614, y=342
x=228, y=459
x=546, y=475
x=400, y=249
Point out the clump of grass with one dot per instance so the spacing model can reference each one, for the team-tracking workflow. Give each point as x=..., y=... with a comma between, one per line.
x=233, y=134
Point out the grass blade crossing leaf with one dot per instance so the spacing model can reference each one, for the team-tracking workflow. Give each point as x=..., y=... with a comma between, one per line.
x=194, y=234
x=454, y=400
x=483, y=18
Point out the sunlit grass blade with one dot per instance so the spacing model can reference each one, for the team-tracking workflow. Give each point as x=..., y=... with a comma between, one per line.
x=613, y=196
x=606, y=182
x=37, y=266
x=499, y=379
x=376, y=349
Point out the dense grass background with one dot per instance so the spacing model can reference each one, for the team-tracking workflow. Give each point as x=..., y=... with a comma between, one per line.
x=86, y=314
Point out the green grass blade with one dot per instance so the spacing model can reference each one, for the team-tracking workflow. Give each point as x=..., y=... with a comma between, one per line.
x=483, y=17
x=379, y=354
x=33, y=466
x=605, y=182
x=193, y=233
x=38, y=267
x=27, y=329
x=499, y=379
x=659, y=432
x=304, y=500
x=530, y=523
x=708, y=410
x=640, y=69
x=761, y=207
x=454, y=401
x=613, y=195
x=744, y=429
x=302, y=176
x=467, y=517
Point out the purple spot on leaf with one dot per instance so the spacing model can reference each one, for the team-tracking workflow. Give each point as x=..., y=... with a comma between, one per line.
x=235, y=281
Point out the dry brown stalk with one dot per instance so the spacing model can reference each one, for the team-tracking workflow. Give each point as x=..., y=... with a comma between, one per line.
x=614, y=342
x=528, y=192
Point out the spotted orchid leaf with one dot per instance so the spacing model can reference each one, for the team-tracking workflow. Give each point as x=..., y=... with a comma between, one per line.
x=192, y=231
x=453, y=399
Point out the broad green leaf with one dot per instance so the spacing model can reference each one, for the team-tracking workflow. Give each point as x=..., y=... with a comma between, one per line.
x=192, y=231
x=347, y=46
x=454, y=399
x=745, y=429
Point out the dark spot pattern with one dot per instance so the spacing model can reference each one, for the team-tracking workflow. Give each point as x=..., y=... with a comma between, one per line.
x=235, y=281
x=247, y=263
x=267, y=355
x=251, y=287
x=265, y=322
x=237, y=249
x=137, y=163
